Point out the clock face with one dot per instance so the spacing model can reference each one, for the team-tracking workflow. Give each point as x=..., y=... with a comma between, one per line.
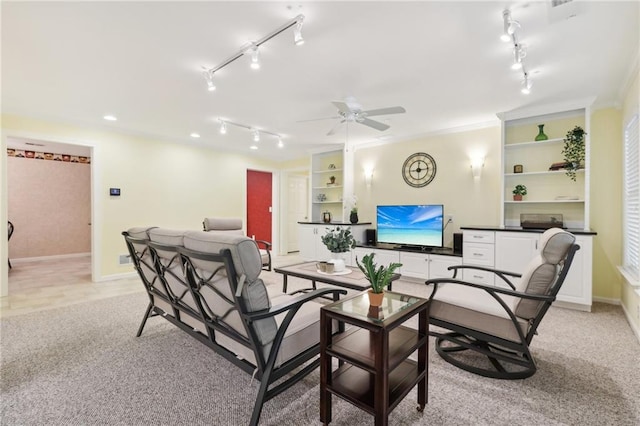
x=419, y=169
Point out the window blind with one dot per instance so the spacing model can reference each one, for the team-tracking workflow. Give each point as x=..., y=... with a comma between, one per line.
x=631, y=201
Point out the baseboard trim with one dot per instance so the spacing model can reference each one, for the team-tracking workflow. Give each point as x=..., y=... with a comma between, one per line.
x=635, y=329
x=608, y=300
x=116, y=277
x=52, y=257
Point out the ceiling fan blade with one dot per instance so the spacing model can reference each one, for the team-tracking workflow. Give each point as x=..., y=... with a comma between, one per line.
x=342, y=107
x=384, y=111
x=318, y=119
x=375, y=124
x=335, y=128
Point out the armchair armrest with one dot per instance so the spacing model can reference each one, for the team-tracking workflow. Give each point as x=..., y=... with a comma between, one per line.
x=267, y=245
x=489, y=289
x=498, y=272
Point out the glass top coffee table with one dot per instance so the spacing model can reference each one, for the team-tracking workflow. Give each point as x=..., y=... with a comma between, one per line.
x=375, y=372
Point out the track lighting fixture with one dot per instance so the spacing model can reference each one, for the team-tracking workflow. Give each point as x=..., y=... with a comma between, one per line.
x=509, y=34
x=255, y=133
x=252, y=49
x=255, y=58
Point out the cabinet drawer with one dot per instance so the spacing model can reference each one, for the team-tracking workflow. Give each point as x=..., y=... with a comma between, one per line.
x=478, y=254
x=479, y=277
x=478, y=237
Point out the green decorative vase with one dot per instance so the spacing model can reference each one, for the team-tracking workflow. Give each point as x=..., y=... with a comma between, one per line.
x=541, y=136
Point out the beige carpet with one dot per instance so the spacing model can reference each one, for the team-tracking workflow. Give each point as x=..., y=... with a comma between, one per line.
x=83, y=365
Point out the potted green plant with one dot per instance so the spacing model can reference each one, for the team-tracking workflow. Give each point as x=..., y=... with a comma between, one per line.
x=338, y=240
x=573, y=151
x=518, y=192
x=378, y=276
x=332, y=180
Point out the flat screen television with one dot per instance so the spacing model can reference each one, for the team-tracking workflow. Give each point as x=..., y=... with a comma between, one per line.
x=416, y=226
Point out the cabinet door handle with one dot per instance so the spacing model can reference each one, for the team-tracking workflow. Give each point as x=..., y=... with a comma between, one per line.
x=477, y=254
x=477, y=236
x=478, y=277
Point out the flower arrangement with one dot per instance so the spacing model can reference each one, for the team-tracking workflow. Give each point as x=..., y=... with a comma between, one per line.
x=339, y=239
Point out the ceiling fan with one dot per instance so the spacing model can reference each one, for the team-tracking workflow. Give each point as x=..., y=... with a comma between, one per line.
x=351, y=112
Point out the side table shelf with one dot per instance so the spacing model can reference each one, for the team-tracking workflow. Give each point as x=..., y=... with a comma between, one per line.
x=375, y=372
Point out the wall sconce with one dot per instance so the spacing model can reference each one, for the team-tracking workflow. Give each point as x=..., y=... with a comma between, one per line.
x=368, y=176
x=476, y=166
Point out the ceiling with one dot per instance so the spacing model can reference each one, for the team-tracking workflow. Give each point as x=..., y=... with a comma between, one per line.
x=443, y=62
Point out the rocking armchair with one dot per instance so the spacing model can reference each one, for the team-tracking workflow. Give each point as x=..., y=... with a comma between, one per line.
x=498, y=322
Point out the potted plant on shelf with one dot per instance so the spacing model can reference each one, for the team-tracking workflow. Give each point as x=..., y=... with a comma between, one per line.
x=378, y=276
x=332, y=180
x=518, y=192
x=573, y=151
x=338, y=240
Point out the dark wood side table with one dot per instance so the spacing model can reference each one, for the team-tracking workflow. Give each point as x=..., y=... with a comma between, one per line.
x=375, y=372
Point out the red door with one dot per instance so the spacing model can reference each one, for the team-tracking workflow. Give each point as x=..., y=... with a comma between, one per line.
x=259, y=205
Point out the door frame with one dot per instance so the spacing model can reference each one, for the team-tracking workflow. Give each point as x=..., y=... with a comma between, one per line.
x=96, y=216
x=284, y=217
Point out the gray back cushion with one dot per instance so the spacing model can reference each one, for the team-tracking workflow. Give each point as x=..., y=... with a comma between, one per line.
x=170, y=259
x=247, y=262
x=223, y=224
x=542, y=272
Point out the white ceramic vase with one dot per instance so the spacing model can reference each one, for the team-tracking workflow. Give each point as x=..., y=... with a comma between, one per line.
x=338, y=262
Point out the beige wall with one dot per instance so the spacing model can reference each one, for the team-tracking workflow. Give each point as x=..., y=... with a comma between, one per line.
x=470, y=201
x=162, y=183
x=49, y=204
x=606, y=201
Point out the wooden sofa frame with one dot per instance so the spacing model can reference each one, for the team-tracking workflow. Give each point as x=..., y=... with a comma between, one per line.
x=157, y=271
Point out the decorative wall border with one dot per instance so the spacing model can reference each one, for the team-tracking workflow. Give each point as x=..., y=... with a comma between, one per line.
x=21, y=153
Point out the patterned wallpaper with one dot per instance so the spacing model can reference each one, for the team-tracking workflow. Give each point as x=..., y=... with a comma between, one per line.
x=47, y=156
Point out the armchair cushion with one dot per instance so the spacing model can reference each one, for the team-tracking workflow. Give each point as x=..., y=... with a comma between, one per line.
x=476, y=309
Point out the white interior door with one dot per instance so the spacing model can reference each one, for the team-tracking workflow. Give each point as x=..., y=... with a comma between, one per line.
x=297, y=209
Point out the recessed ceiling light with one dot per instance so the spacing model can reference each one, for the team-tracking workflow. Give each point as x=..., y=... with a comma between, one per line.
x=194, y=135
x=254, y=147
x=110, y=118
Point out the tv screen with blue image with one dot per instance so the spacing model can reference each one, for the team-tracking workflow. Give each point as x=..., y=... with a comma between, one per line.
x=411, y=225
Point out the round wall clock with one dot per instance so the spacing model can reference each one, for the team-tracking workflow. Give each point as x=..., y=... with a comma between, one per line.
x=419, y=169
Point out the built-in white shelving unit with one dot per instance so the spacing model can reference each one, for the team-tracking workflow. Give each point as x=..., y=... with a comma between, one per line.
x=327, y=196
x=548, y=191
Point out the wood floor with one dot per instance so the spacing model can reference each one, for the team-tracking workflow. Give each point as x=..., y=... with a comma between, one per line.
x=46, y=284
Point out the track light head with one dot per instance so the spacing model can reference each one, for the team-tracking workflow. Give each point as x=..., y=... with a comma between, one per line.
x=518, y=54
x=208, y=76
x=526, y=84
x=255, y=58
x=297, y=34
x=223, y=127
x=280, y=143
x=256, y=136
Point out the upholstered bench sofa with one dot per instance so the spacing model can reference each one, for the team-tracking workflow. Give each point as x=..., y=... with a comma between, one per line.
x=208, y=284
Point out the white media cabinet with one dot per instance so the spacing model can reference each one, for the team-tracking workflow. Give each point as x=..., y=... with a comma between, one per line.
x=512, y=249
